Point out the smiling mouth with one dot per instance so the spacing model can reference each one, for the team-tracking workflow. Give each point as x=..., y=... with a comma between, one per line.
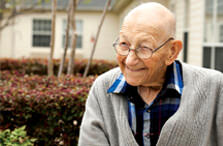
x=135, y=70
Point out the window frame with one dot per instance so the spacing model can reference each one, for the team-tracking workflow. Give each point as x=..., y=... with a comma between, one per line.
x=79, y=33
x=43, y=32
x=215, y=42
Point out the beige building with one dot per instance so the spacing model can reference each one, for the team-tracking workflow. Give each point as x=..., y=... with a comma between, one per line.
x=199, y=25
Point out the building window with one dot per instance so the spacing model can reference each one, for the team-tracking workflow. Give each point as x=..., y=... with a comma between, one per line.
x=221, y=33
x=207, y=56
x=185, y=46
x=213, y=57
x=218, y=58
x=186, y=17
x=213, y=35
x=79, y=30
x=41, y=33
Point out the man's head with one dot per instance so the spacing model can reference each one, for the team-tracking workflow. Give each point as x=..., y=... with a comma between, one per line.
x=147, y=26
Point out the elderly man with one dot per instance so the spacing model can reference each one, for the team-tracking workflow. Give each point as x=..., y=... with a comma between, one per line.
x=153, y=99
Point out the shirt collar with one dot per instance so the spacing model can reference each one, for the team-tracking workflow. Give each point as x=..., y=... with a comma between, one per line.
x=119, y=86
x=174, y=80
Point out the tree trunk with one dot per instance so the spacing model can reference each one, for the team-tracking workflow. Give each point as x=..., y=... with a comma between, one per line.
x=70, y=69
x=13, y=11
x=2, y=7
x=96, y=39
x=66, y=40
x=52, y=42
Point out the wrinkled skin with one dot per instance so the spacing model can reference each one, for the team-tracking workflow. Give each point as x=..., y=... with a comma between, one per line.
x=148, y=25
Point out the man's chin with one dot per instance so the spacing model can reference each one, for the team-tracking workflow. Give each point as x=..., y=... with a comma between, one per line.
x=133, y=79
x=133, y=82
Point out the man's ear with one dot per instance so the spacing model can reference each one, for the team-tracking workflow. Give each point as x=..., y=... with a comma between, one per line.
x=174, y=51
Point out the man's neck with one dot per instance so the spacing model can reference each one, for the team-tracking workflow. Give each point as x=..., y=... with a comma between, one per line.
x=150, y=91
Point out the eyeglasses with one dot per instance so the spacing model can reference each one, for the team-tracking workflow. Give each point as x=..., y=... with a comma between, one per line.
x=142, y=52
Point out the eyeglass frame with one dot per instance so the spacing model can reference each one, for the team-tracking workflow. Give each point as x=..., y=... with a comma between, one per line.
x=152, y=50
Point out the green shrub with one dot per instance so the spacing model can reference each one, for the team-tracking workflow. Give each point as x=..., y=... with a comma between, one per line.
x=50, y=107
x=17, y=137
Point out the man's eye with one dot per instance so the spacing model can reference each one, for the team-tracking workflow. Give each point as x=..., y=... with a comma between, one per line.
x=123, y=44
x=144, y=49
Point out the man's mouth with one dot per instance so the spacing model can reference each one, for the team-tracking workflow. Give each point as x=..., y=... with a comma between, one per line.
x=134, y=69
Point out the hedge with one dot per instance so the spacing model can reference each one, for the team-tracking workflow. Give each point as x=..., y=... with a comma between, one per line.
x=39, y=66
x=51, y=108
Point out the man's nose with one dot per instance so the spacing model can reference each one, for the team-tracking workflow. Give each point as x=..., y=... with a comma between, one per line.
x=132, y=59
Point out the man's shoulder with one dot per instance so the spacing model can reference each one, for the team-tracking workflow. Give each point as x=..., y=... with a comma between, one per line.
x=192, y=72
x=200, y=70
x=110, y=75
x=106, y=79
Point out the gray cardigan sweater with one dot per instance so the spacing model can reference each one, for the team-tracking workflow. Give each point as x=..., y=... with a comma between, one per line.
x=197, y=122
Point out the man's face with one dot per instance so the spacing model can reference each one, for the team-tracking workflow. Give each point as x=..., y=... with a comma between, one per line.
x=142, y=72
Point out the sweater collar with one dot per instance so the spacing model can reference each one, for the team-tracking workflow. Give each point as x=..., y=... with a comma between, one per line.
x=174, y=80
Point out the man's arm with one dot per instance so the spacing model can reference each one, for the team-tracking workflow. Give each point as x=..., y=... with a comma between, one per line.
x=219, y=117
x=92, y=131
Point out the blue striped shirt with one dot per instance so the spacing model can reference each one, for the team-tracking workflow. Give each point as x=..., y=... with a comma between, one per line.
x=145, y=120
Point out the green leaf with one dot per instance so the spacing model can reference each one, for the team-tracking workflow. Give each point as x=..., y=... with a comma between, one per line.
x=87, y=1
x=47, y=1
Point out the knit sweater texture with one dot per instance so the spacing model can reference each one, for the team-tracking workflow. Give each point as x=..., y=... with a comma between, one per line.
x=197, y=122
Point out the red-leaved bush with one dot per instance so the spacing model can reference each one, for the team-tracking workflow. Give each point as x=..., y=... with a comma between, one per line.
x=39, y=66
x=50, y=107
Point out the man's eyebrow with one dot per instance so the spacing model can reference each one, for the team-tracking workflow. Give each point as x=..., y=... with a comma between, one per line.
x=124, y=36
x=142, y=40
